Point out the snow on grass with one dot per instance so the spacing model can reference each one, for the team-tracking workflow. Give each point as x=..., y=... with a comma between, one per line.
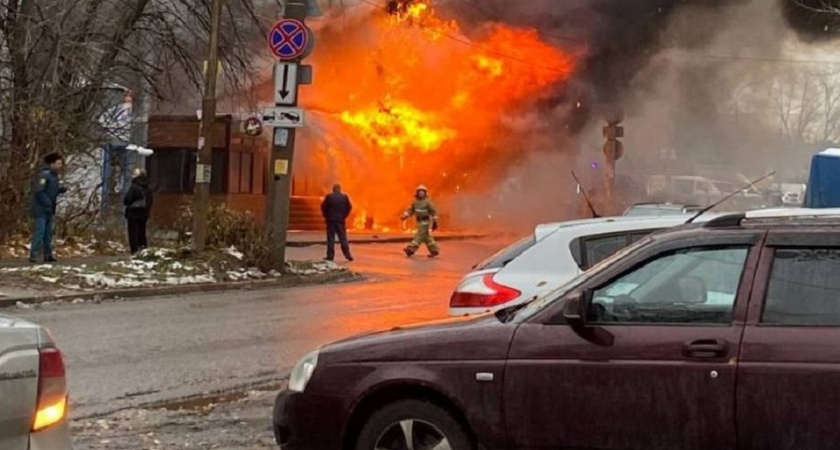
x=161, y=267
x=18, y=247
x=312, y=267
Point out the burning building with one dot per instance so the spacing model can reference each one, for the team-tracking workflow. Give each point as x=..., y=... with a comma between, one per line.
x=490, y=102
x=402, y=97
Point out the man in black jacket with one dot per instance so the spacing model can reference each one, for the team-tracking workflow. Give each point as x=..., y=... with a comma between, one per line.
x=138, y=204
x=336, y=208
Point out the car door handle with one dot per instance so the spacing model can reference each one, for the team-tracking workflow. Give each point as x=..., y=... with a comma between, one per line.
x=706, y=348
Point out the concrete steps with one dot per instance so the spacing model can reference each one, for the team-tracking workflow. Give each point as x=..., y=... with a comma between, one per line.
x=305, y=214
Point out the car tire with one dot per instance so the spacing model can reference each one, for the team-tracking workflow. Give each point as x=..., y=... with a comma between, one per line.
x=426, y=423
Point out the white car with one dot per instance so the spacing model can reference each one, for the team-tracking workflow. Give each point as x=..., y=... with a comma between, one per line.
x=553, y=255
x=33, y=389
x=661, y=209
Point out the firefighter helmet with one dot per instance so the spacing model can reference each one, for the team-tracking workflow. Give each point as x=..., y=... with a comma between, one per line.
x=422, y=187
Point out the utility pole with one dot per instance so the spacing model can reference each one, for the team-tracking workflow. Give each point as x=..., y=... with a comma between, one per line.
x=288, y=74
x=204, y=167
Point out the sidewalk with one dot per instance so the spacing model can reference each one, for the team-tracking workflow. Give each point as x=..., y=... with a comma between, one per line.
x=153, y=272
x=22, y=297
x=295, y=239
x=310, y=238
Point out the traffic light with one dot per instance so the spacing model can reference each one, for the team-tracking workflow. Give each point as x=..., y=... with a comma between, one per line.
x=613, y=148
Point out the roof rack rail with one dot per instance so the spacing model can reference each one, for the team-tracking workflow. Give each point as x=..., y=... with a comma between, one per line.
x=735, y=219
x=726, y=221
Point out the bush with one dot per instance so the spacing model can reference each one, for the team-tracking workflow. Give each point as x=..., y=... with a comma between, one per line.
x=226, y=228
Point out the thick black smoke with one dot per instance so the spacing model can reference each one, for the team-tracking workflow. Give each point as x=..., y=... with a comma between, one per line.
x=813, y=20
x=621, y=36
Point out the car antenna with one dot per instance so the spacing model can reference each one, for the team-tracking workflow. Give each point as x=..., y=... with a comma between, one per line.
x=728, y=196
x=585, y=197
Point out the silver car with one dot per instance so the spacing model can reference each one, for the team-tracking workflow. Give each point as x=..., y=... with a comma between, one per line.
x=661, y=209
x=33, y=389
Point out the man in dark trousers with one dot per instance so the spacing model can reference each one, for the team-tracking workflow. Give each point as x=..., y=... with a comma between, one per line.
x=42, y=209
x=138, y=205
x=336, y=209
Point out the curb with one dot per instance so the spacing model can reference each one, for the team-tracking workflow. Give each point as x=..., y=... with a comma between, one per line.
x=385, y=240
x=286, y=281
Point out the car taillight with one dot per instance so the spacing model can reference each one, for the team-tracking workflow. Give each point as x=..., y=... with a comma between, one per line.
x=490, y=294
x=52, y=390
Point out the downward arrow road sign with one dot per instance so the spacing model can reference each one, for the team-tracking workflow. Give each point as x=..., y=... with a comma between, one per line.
x=285, y=83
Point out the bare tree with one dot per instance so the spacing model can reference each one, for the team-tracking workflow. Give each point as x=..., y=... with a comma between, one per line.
x=806, y=105
x=829, y=83
x=58, y=56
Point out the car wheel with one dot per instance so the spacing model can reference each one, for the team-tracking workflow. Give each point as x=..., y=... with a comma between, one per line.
x=413, y=425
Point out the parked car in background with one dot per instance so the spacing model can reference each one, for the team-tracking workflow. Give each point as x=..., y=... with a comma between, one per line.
x=661, y=209
x=695, y=190
x=33, y=389
x=719, y=336
x=545, y=260
x=792, y=198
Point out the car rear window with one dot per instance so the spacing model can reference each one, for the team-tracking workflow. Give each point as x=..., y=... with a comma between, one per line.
x=804, y=288
x=507, y=254
x=590, y=250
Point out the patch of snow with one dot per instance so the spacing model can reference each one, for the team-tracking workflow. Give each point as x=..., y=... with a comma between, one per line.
x=232, y=251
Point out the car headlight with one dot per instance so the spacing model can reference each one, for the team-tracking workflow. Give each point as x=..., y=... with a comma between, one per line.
x=303, y=372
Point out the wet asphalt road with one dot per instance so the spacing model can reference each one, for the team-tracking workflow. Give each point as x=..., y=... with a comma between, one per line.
x=131, y=353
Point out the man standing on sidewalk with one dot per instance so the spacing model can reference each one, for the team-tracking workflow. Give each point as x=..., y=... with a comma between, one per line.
x=42, y=209
x=336, y=209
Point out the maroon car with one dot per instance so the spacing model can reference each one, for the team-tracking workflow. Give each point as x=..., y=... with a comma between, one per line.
x=715, y=337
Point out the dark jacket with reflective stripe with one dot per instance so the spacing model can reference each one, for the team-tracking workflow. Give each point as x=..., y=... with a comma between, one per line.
x=45, y=193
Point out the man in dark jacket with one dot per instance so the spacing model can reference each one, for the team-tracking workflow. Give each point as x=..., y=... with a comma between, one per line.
x=138, y=205
x=42, y=208
x=336, y=208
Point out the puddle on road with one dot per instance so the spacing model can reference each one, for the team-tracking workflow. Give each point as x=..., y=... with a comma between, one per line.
x=205, y=403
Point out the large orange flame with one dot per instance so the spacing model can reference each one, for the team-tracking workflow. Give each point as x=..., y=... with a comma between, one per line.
x=405, y=99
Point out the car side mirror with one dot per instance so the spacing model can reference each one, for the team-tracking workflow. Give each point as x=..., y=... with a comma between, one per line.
x=574, y=310
x=574, y=313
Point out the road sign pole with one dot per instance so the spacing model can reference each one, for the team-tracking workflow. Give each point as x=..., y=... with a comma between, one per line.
x=283, y=150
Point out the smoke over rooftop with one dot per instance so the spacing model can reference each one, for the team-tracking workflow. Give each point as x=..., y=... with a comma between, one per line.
x=491, y=102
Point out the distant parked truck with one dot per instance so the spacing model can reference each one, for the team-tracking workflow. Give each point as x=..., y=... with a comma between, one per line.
x=823, y=189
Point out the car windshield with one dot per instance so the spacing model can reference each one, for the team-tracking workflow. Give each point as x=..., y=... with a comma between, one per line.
x=540, y=303
x=507, y=254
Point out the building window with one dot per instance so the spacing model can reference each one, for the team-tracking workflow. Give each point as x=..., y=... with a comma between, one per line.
x=243, y=177
x=259, y=174
x=234, y=172
x=246, y=167
x=172, y=170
